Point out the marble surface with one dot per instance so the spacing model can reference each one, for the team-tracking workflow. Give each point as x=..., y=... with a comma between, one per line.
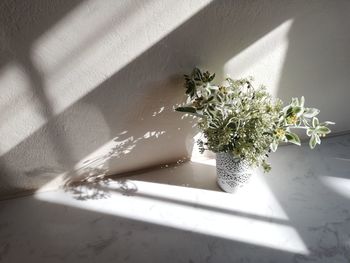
x=300, y=212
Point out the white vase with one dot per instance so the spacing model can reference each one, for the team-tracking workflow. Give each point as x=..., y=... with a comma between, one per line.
x=232, y=171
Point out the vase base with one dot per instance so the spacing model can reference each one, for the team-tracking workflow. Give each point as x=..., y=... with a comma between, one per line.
x=232, y=171
x=231, y=186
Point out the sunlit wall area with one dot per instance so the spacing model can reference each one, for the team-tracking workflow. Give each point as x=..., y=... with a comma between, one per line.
x=89, y=87
x=263, y=60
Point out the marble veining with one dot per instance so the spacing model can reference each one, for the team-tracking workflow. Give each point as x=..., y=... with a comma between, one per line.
x=298, y=213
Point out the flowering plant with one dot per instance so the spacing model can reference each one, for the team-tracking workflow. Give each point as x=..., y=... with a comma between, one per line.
x=247, y=122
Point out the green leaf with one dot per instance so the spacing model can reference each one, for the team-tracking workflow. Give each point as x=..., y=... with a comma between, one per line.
x=289, y=111
x=190, y=87
x=323, y=130
x=274, y=146
x=302, y=101
x=309, y=132
x=311, y=112
x=266, y=166
x=312, y=142
x=186, y=109
x=315, y=122
x=219, y=98
x=318, y=140
x=328, y=123
x=232, y=125
x=211, y=77
x=211, y=107
x=298, y=111
x=211, y=113
x=295, y=102
x=286, y=108
x=210, y=98
x=293, y=138
x=197, y=74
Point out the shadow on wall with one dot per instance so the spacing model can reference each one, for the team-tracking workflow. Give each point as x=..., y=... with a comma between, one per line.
x=126, y=102
x=135, y=105
x=21, y=24
x=121, y=115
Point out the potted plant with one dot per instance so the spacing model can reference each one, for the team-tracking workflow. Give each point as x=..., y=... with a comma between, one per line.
x=242, y=124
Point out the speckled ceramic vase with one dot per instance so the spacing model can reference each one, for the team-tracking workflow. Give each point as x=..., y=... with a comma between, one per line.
x=232, y=171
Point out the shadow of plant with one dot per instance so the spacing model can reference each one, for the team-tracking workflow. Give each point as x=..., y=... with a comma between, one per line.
x=95, y=183
x=92, y=180
x=100, y=188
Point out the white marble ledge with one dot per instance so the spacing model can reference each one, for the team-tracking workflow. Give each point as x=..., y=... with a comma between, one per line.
x=300, y=212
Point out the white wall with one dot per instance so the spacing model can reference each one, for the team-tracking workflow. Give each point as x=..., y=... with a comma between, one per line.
x=89, y=86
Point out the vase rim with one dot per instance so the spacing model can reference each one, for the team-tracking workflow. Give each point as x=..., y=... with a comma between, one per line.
x=229, y=153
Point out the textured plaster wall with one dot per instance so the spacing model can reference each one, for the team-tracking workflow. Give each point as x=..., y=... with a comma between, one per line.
x=88, y=87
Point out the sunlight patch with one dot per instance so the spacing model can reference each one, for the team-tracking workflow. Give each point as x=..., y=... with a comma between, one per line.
x=264, y=59
x=206, y=212
x=338, y=185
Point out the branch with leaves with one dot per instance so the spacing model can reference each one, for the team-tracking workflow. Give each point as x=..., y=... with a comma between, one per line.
x=297, y=116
